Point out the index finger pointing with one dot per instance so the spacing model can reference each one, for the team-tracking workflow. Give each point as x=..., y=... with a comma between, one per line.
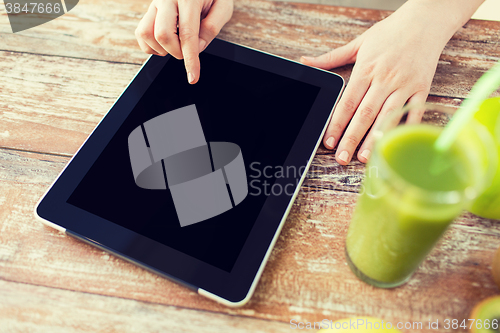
x=189, y=28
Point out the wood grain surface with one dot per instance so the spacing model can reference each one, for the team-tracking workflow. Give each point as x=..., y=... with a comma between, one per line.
x=59, y=79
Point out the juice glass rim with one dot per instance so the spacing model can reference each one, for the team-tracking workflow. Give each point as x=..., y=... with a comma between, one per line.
x=467, y=194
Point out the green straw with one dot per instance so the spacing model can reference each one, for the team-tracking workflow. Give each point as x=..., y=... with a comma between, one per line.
x=483, y=88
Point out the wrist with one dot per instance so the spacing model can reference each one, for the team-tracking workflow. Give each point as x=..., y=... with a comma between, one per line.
x=444, y=17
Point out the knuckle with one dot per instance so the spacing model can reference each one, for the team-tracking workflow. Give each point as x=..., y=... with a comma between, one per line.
x=186, y=34
x=142, y=34
x=417, y=111
x=422, y=87
x=161, y=36
x=211, y=27
x=329, y=56
x=389, y=110
x=349, y=105
x=335, y=128
x=366, y=70
x=391, y=76
x=351, y=141
x=403, y=81
x=367, y=113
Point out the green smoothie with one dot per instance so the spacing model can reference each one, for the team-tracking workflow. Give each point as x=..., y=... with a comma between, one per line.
x=405, y=205
x=488, y=204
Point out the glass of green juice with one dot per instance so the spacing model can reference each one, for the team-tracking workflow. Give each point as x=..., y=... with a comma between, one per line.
x=411, y=193
x=488, y=203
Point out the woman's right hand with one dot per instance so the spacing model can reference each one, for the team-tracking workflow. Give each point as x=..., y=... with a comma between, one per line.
x=197, y=23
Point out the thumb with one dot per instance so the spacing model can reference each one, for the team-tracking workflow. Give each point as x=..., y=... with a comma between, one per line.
x=338, y=57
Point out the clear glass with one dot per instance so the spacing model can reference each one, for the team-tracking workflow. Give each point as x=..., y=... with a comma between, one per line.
x=488, y=203
x=411, y=193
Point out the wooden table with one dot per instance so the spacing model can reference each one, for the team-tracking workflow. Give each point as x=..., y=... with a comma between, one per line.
x=59, y=80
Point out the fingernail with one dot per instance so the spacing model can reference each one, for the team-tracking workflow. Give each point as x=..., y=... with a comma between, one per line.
x=190, y=78
x=344, y=156
x=366, y=154
x=308, y=59
x=202, y=44
x=329, y=142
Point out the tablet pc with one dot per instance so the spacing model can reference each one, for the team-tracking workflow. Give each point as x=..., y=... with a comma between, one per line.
x=194, y=182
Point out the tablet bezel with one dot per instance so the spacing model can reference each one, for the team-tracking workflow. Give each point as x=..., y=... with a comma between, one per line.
x=236, y=287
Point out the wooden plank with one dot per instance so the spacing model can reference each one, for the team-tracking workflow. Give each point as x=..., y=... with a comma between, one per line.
x=306, y=278
x=51, y=104
x=96, y=30
x=48, y=105
x=28, y=308
x=104, y=31
x=93, y=29
x=51, y=94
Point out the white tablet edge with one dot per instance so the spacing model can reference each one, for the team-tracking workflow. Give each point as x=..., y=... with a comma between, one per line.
x=282, y=222
x=201, y=291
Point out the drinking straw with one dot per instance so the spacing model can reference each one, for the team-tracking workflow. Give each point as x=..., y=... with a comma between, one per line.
x=483, y=88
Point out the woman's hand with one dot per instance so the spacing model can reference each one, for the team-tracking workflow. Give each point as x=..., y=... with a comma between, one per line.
x=197, y=23
x=395, y=61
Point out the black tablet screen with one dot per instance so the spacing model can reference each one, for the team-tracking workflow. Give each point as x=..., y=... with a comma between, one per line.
x=259, y=111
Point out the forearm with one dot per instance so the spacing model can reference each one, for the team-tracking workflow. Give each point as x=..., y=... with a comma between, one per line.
x=445, y=16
